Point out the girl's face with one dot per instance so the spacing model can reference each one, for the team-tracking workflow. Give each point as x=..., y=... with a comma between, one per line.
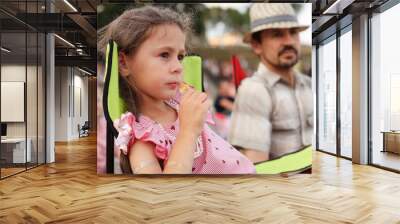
x=155, y=69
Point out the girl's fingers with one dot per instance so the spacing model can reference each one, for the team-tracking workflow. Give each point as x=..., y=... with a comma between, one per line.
x=194, y=99
x=192, y=96
x=206, y=105
x=200, y=97
x=203, y=97
x=187, y=94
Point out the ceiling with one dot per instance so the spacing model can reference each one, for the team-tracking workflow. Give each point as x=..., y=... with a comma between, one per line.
x=74, y=21
x=330, y=15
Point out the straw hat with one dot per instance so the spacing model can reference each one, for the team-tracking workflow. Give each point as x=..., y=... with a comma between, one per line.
x=272, y=15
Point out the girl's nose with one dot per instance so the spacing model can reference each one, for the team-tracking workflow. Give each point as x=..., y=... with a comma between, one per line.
x=177, y=67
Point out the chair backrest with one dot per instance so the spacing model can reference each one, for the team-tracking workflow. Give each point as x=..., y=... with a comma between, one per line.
x=113, y=104
x=297, y=161
x=86, y=125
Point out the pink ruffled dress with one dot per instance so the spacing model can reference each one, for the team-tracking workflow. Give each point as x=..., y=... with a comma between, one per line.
x=213, y=155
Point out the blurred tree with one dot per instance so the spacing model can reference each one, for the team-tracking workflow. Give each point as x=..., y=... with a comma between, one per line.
x=200, y=14
x=234, y=20
x=108, y=12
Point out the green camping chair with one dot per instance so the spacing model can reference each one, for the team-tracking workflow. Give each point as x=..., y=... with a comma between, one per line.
x=114, y=106
x=298, y=161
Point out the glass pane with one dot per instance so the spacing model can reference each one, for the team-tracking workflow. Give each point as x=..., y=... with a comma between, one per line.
x=346, y=94
x=41, y=99
x=385, y=89
x=31, y=100
x=327, y=97
x=22, y=63
x=13, y=85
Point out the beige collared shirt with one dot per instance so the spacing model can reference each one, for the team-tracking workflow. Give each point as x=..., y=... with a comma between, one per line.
x=270, y=116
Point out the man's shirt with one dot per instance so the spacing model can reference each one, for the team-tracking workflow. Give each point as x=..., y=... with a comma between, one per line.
x=270, y=116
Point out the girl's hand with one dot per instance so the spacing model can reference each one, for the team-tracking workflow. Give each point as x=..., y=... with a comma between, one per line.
x=192, y=112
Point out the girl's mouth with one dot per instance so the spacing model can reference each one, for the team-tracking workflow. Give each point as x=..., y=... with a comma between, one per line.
x=173, y=85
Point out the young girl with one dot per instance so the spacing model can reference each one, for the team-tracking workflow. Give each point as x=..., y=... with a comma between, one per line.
x=164, y=131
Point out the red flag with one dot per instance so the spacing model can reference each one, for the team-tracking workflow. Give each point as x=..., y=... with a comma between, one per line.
x=238, y=73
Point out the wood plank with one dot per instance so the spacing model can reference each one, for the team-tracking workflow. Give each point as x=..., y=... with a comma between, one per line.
x=70, y=191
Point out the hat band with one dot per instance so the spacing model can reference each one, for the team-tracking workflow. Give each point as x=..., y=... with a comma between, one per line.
x=273, y=19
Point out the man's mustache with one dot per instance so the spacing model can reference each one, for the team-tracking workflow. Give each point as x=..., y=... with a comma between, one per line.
x=287, y=48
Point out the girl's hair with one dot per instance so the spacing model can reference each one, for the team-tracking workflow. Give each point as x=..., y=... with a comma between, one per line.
x=130, y=30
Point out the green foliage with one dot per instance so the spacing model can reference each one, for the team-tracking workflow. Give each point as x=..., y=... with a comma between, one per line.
x=233, y=19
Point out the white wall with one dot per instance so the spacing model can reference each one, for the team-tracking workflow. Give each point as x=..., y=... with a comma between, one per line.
x=71, y=93
x=61, y=103
x=13, y=73
x=80, y=94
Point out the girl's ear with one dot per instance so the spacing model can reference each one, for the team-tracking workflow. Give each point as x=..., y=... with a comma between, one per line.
x=123, y=64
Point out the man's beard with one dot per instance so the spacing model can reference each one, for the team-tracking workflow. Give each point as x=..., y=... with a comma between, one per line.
x=287, y=64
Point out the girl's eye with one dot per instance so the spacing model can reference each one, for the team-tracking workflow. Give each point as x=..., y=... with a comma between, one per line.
x=180, y=57
x=164, y=55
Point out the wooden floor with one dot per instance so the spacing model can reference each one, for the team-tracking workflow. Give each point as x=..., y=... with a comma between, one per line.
x=10, y=171
x=70, y=191
x=387, y=159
